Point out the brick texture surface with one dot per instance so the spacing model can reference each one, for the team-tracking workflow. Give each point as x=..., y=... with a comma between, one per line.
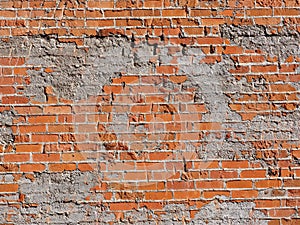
x=149, y=112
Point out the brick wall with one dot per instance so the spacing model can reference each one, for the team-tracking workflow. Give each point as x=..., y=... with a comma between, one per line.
x=149, y=112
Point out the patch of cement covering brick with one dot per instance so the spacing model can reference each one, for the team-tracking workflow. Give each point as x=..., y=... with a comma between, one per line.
x=6, y=133
x=227, y=213
x=82, y=72
x=282, y=43
x=61, y=198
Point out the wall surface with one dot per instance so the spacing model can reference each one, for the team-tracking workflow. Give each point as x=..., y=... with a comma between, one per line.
x=150, y=112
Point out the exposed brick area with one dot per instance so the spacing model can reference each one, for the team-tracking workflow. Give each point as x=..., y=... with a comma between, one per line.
x=149, y=112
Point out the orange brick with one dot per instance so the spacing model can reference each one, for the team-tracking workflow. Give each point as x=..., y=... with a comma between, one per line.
x=233, y=50
x=145, y=13
x=253, y=174
x=41, y=119
x=291, y=183
x=239, y=184
x=158, y=195
x=32, y=167
x=209, y=184
x=286, y=12
x=141, y=108
x=244, y=194
x=212, y=194
x=173, y=12
x=76, y=156
x=44, y=138
x=9, y=187
x=268, y=183
x=14, y=100
x=212, y=22
x=209, y=40
x=87, y=166
x=126, y=80
x=99, y=23
x=200, y=12
x=167, y=69
x=188, y=194
x=289, y=221
x=259, y=12
x=135, y=176
x=28, y=110
x=267, y=21
x=57, y=109
x=235, y=164
x=117, y=13
x=61, y=128
x=28, y=148
x=223, y=174
x=264, y=203
x=60, y=167
x=46, y=157
x=32, y=128
x=281, y=212
x=16, y=158
x=178, y=79
x=180, y=185
x=121, y=206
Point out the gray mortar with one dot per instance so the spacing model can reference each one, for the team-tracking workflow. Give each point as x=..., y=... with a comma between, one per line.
x=15, y=47
x=214, y=213
x=6, y=133
x=60, y=198
x=79, y=72
x=227, y=213
x=282, y=44
x=212, y=82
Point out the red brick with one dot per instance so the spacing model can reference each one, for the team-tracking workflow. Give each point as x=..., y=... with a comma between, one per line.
x=57, y=109
x=16, y=158
x=173, y=12
x=60, y=167
x=55, y=157
x=209, y=184
x=239, y=184
x=14, y=100
x=267, y=21
x=145, y=13
x=235, y=164
x=44, y=138
x=188, y=194
x=117, y=13
x=291, y=183
x=32, y=167
x=28, y=148
x=9, y=187
x=121, y=206
x=212, y=21
x=200, y=12
x=249, y=194
x=212, y=194
x=158, y=195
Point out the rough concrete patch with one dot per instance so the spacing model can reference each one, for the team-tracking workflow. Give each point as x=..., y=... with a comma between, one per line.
x=6, y=133
x=141, y=216
x=212, y=82
x=175, y=214
x=82, y=72
x=282, y=44
x=214, y=213
x=15, y=47
x=227, y=213
x=58, y=198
